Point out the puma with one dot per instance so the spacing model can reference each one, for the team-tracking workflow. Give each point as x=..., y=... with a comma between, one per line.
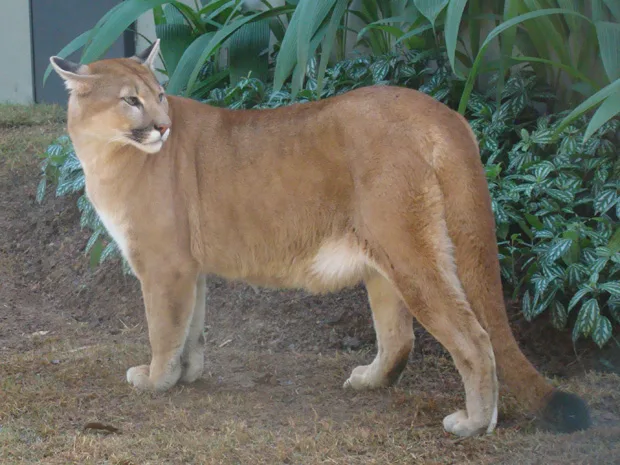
x=382, y=185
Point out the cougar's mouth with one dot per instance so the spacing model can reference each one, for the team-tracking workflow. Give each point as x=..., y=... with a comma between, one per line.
x=148, y=139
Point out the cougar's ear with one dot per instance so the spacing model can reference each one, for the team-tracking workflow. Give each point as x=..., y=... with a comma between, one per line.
x=147, y=57
x=77, y=77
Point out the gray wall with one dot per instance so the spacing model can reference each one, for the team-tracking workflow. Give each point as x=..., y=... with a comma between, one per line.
x=54, y=24
x=15, y=52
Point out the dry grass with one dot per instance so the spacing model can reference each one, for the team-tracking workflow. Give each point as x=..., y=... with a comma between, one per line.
x=259, y=408
x=25, y=131
x=258, y=402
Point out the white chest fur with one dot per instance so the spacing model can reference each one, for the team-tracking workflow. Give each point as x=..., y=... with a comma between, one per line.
x=113, y=225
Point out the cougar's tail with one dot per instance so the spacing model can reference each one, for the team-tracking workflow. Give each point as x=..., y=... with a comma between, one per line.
x=472, y=230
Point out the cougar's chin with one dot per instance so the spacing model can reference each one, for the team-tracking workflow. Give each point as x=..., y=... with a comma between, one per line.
x=149, y=142
x=152, y=147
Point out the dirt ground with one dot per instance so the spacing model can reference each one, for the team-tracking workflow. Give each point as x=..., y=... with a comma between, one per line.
x=275, y=363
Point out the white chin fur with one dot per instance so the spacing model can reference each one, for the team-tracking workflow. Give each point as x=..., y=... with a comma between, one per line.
x=152, y=147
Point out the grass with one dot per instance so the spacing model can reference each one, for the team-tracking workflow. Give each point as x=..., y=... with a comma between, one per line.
x=25, y=131
x=13, y=116
x=63, y=397
x=237, y=414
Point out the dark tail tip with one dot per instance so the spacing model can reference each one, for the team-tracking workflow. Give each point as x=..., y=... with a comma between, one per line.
x=565, y=413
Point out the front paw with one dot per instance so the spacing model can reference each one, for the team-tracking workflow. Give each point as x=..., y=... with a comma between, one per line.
x=192, y=366
x=460, y=424
x=139, y=377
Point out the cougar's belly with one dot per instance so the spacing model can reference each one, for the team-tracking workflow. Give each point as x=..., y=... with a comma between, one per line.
x=335, y=264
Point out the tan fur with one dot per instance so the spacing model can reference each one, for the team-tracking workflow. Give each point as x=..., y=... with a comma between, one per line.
x=381, y=184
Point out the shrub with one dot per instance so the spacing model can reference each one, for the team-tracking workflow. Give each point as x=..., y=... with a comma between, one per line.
x=556, y=198
x=556, y=202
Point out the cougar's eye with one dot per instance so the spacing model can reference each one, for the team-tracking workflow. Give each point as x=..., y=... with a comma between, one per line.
x=161, y=97
x=133, y=101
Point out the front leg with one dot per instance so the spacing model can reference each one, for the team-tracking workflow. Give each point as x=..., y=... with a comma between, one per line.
x=193, y=356
x=169, y=298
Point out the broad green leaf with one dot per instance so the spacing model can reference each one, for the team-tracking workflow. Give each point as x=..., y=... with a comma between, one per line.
x=414, y=32
x=580, y=294
x=249, y=51
x=175, y=35
x=328, y=41
x=191, y=16
x=95, y=253
x=469, y=84
x=609, y=47
x=605, y=200
x=287, y=56
x=614, y=7
x=409, y=16
x=602, y=331
x=571, y=70
x=540, y=307
x=474, y=26
x=588, y=314
x=430, y=9
x=221, y=35
x=101, y=22
x=598, y=265
x=613, y=287
x=608, y=109
x=41, y=189
x=507, y=43
x=128, y=12
x=550, y=30
x=110, y=250
x=187, y=63
x=206, y=85
x=67, y=50
x=535, y=222
x=213, y=7
x=561, y=195
x=451, y=30
x=614, y=242
x=573, y=24
x=557, y=249
x=589, y=103
x=526, y=306
x=559, y=315
x=576, y=273
x=93, y=239
x=313, y=13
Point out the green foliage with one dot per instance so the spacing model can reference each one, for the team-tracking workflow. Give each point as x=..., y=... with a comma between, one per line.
x=61, y=166
x=190, y=37
x=407, y=69
x=571, y=45
x=562, y=41
x=556, y=202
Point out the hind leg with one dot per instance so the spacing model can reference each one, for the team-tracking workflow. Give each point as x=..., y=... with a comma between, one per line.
x=393, y=326
x=407, y=238
x=447, y=316
x=430, y=288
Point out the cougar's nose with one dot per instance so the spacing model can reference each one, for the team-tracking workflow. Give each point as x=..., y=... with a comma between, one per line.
x=162, y=128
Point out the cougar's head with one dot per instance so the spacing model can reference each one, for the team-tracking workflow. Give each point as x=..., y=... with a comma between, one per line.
x=117, y=101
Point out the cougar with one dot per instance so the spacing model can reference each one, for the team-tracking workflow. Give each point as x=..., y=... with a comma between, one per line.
x=381, y=185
